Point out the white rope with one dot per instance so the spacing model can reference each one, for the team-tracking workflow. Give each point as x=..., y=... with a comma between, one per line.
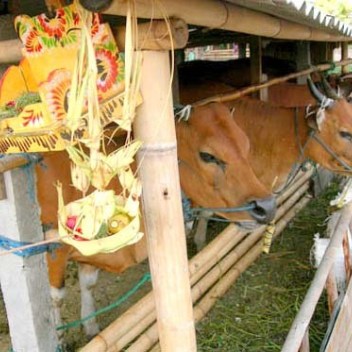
x=183, y=114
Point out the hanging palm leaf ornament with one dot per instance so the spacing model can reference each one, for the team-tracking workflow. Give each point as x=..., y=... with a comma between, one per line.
x=78, y=84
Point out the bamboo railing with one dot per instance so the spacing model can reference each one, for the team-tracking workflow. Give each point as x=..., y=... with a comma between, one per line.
x=212, y=272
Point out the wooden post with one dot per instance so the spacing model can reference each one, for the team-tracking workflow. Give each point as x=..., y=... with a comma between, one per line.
x=256, y=62
x=163, y=217
x=319, y=52
x=303, y=59
x=344, y=56
x=242, y=47
x=24, y=281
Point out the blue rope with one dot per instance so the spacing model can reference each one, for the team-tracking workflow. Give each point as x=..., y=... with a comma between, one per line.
x=146, y=278
x=190, y=213
x=8, y=244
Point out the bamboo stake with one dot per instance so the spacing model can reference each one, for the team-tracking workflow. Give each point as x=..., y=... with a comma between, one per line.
x=113, y=335
x=162, y=215
x=227, y=16
x=250, y=249
x=301, y=322
x=245, y=91
x=156, y=35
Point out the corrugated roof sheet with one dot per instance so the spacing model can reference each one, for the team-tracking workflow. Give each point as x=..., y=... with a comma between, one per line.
x=298, y=11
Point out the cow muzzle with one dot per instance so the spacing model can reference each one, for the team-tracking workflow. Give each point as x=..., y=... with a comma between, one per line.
x=264, y=210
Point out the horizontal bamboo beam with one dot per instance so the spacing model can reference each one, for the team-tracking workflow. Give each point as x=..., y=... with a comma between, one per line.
x=254, y=88
x=155, y=35
x=302, y=320
x=10, y=162
x=10, y=51
x=222, y=15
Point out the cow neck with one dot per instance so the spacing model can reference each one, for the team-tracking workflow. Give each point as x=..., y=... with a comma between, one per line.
x=274, y=143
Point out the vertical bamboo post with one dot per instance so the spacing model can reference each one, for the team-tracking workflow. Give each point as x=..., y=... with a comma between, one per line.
x=344, y=55
x=24, y=281
x=163, y=217
x=256, y=63
x=303, y=59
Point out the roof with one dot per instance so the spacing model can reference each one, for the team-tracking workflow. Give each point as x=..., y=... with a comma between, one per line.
x=298, y=11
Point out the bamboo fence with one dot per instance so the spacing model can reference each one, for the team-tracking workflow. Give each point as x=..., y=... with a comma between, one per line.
x=212, y=272
x=299, y=330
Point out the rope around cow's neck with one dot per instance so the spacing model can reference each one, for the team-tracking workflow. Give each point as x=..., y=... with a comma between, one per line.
x=190, y=213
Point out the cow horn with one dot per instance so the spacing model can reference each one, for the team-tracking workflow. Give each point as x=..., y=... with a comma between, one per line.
x=319, y=96
x=329, y=91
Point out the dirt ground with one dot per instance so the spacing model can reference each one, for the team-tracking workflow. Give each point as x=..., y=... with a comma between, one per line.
x=254, y=315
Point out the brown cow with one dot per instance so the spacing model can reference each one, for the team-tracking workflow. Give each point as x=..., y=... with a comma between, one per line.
x=281, y=137
x=214, y=171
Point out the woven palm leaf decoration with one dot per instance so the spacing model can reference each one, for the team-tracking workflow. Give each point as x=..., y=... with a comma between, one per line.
x=73, y=68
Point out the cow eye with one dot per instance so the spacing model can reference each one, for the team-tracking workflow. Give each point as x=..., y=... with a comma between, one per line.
x=209, y=158
x=346, y=135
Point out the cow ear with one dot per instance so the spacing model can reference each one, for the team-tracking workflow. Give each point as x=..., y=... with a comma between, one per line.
x=315, y=120
x=312, y=123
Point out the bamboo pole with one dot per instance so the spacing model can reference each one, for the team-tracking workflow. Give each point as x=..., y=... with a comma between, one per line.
x=301, y=322
x=150, y=337
x=162, y=215
x=301, y=178
x=11, y=162
x=116, y=335
x=245, y=91
x=10, y=51
x=344, y=56
x=156, y=35
x=223, y=15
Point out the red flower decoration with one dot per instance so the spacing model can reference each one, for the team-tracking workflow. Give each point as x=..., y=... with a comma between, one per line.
x=55, y=27
x=32, y=42
x=56, y=89
x=32, y=119
x=107, y=69
x=95, y=24
x=11, y=104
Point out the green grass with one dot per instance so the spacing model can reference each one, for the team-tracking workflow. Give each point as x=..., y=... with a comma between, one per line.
x=257, y=312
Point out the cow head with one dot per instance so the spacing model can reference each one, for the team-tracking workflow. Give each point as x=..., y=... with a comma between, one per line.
x=332, y=146
x=214, y=168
